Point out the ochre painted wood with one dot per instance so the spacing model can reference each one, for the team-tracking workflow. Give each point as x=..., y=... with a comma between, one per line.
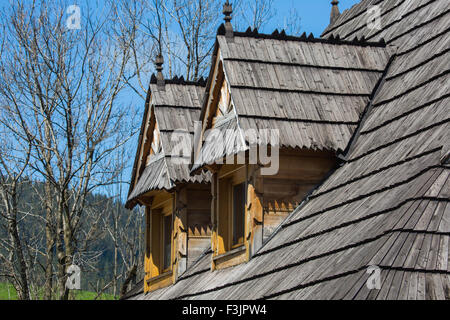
x=269, y=199
x=159, y=282
x=162, y=205
x=214, y=212
x=147, y=264
x=155, y=244
x=227, y=177
x=162, y=199
x=227, y=261
x=187, y=221
x=223, y=217
x=255, y=212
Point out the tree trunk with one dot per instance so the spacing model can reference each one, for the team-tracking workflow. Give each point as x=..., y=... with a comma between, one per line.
x=23, y=292
x=61, y=256
x=128, y=280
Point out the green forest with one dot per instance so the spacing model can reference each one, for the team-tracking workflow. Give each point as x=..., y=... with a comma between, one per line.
x=95, y=257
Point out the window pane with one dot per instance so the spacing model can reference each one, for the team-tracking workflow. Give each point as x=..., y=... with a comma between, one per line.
x=238, y=213
x=167, y=243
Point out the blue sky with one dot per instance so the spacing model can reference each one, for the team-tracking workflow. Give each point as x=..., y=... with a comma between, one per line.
x=314, y=14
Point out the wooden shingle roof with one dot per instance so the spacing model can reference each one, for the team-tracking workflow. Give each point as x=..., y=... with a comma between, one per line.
x=175, y=108
x=312, y=90
x=387, y=205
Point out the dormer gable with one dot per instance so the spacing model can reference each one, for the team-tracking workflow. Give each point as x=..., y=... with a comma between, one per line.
x=177, y=231
x=295, y=89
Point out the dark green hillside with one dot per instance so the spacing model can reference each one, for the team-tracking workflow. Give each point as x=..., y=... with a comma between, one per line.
x=94, y=243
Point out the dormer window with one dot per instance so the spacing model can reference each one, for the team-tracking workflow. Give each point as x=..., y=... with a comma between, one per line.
x=159, y=242
x=249, y=202
x=178, y=205
x=228, y=242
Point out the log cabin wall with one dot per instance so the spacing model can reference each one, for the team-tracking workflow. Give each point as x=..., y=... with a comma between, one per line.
x=300, y=171
x=268, y=200
x=198, y=221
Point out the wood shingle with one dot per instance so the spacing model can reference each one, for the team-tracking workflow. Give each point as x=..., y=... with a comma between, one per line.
x=175, y=108
x=388, y=204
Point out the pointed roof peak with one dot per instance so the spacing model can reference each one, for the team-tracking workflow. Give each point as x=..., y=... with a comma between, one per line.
x=228, y=11
x=335, y=13
x=159, y=68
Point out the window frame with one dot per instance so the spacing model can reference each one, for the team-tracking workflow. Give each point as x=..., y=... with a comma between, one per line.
x=158, y=215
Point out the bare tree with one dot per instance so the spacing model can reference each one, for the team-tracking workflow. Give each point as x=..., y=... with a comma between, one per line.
x=142, y=21
x=131, y=248
x=254, y=13
x=196, y=21
x=126, y=231
x=113, y=223
x=65, y=113
x=183, y=31
x=292, y=22
x=12, y=175
x=62, y=90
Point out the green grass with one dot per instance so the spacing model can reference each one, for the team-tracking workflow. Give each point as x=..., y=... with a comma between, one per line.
x=86, y=295
x=7, y=292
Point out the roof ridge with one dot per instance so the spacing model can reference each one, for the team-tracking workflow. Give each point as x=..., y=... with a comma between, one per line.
x=276, y=35
x=181, y=81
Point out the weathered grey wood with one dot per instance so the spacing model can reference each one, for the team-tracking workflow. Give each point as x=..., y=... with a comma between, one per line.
x=388, y=203
x=175, y=108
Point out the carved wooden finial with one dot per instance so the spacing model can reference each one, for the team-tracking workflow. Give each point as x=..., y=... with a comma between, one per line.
x=334, y=11
x=159, y=68
x=228, y=11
